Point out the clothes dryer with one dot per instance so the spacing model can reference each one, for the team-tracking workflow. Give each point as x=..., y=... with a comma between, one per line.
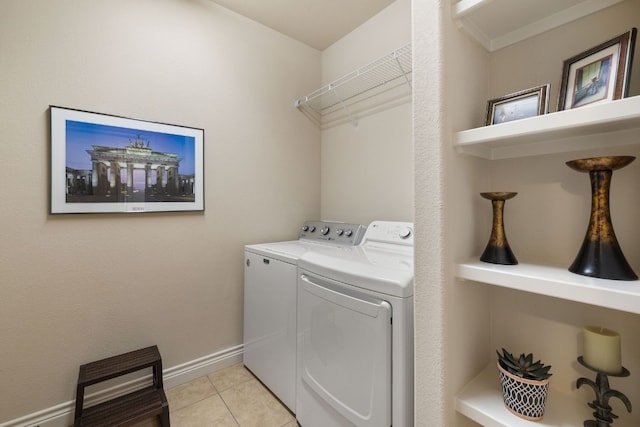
x=355, y=332
x=270, y=277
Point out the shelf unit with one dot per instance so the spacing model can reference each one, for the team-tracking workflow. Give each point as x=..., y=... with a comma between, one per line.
x=481, y=399
x=389, y=74
x=496, y=24
x=604, y=125
x=499, y=23
x=559, y=132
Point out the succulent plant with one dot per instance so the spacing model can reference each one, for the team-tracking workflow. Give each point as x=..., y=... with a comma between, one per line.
x=524, y=366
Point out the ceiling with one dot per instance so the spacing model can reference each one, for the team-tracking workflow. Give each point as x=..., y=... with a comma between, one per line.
x=317, y=23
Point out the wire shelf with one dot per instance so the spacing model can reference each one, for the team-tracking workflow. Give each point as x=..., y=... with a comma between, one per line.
x=395, y=66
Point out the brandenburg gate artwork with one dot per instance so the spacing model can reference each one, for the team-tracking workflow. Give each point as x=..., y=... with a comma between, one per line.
x=132, y=173
x=103, y=163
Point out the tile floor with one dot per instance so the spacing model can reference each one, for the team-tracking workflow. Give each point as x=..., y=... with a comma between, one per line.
x=231, y=397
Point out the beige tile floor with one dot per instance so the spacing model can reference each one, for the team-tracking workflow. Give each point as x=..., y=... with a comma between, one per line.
x=231, y=397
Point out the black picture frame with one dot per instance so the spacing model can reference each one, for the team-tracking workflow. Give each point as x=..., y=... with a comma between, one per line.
x=104, y=163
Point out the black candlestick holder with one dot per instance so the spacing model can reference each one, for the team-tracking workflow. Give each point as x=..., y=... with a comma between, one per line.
x=603, y=415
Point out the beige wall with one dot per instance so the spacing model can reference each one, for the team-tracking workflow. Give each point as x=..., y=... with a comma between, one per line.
x=367, y=169
x=384, y=32
x=74, y=288
x=459, y=324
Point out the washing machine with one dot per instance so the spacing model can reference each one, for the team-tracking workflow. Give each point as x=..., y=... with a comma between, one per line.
x=270, y=278
x=355, y=332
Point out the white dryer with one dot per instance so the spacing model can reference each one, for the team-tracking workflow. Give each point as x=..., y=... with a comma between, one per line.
x=355, y=332
x=270, y=277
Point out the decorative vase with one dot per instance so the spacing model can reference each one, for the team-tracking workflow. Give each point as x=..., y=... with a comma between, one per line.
x=498, y=250
x=523, y=397
x=600, y=254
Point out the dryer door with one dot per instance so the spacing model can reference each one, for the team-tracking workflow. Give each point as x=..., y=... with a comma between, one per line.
x=344, y=349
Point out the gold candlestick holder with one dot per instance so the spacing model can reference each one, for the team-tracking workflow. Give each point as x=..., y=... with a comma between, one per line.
x=498, y=250
x=600, y=254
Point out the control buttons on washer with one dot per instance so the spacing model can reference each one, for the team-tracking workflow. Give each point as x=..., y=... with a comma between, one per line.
x=305, y=228
x=325, y=231
x=312, y=229
x=339, y=231
x=404, y=233
x=348, y=233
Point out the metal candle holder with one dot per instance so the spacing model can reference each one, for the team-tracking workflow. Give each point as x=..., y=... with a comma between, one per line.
x=604, y=416
x=498, y=250
x=600, y=254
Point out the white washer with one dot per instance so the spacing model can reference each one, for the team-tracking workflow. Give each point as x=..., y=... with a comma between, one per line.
x=355, y=332
x=270, y=302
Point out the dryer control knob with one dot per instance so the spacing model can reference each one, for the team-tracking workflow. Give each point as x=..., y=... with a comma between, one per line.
x=340, y=232
x=312, y=229
x=348, y=233
x=325, y=231
x=305, y=228
x=405, y=233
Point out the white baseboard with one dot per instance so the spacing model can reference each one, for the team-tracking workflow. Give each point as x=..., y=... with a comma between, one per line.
x=61, y=415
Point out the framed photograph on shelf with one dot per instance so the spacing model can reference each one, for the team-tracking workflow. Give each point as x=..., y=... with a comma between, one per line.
x=600, y=74
x=109, y=164
x=519, y=105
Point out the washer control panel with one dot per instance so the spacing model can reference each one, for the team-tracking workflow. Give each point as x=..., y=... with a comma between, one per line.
x=330, y=231
x=389, y=233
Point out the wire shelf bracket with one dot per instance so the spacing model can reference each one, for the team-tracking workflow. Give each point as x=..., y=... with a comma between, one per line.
x=395, y=67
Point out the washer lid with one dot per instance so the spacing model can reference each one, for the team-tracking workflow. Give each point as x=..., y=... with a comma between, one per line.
x=283, y=251
x=289, y=251
x=381, y=270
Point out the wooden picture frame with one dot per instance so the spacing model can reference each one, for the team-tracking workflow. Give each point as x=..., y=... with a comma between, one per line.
x=597, y=75
x=518, y=105
x=109, y=164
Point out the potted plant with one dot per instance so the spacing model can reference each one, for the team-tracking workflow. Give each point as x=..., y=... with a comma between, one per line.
x=525, y=384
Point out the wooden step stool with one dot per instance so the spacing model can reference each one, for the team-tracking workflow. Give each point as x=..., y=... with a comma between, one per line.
x=139, y=404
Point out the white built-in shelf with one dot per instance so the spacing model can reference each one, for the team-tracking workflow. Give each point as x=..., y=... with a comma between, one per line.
x=555, y=282
x=499, y=23
x=564, y=131
x=481, y=400
x=496, y=24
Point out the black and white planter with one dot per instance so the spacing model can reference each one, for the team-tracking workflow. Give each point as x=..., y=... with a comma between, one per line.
x=523, y=397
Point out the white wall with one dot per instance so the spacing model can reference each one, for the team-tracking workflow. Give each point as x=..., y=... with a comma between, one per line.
x=366, y=169
x=76, y=288
x=384, y=32
x=451, y=320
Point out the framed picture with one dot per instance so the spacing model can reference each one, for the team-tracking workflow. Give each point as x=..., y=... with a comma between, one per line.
x=600, y=74
x=102, y=164
x=519, y=105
